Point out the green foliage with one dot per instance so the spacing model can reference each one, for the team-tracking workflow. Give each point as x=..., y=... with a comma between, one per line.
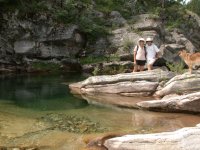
x=178, y=68
x=194, y=6
x=106, y=6
x=24, y=6
x=92, y=59
x=42, y=66
x=82, y=12
x=175, y=16
x=96, y=71
x=109, y=70
x=94, y=27
x=128, y=45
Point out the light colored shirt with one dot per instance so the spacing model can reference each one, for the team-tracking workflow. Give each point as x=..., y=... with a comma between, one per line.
x=140, y=53
x=151, y=51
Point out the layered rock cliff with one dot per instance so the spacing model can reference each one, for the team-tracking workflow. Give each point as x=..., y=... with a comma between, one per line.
x=39, y=36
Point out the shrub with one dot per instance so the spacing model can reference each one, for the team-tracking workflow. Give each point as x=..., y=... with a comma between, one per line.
x=128, y=45
x=96, y=71
x=194, y=6
x=46, y=66
x=178, y=68
x=93, y=59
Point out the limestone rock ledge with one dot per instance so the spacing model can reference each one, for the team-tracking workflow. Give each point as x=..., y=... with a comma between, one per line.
x=183, y=139
x=124, y=84
x=180, y=84
x=184, y=103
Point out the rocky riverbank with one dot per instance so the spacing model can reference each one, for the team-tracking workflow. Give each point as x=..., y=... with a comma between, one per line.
x=156, y=83
x=140, y=83
x=183, y=139
x=179, y=93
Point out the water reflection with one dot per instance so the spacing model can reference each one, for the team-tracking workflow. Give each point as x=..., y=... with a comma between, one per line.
x=39, y=92
x=139, y=120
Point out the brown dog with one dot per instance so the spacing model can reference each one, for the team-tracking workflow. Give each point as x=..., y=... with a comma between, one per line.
x=190, y=59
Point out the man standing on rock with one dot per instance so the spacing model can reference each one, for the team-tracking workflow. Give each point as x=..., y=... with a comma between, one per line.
x=152, y=53
x=139, y=55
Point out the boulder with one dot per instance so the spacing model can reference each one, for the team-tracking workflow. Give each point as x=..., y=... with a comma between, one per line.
x=185, y=103
x=52, y=50
x=122, y=87
x=121, y=36
x=61, y=42
x=154, y=76
x=185, y=83
x=116, y=19
x=170, y=52
x=174, y=47
x=153, y=34
x=183, y=139
x=126, y=83
x=182, y=40
x=147, y=22
x=193, y=33
x=25, y=47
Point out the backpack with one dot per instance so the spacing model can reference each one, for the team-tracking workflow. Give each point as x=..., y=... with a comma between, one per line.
x=145, y=49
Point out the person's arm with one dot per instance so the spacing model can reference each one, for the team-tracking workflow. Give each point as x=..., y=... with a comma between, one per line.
x=134, y=54
x=157, y=52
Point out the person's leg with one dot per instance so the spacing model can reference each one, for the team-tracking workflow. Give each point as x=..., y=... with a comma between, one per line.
x=150, y=67
x=135, y=68
x=150, y=64
x=141, y=68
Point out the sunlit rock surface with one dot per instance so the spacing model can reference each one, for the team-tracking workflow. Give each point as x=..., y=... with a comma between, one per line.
x=184, y=103
x=185, y=83
x=183, y=139
x=124, y=84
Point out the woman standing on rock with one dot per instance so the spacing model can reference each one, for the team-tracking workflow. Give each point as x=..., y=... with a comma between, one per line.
x=139, y=55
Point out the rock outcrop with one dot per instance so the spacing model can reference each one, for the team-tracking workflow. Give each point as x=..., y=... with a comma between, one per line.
x=122, y=87
x=185, y=103
x=185, y=83
x=116, y=19
x=174, y=42
x=147, y=22
x=183, y=139
x=37, y=38
x=125, y=38
x=127, y=83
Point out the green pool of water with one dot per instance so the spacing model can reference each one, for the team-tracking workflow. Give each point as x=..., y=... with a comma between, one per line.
x=39, y=92
x=25, y=98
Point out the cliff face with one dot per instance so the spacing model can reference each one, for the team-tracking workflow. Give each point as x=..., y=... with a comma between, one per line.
x=27, y=39
x=39, y=37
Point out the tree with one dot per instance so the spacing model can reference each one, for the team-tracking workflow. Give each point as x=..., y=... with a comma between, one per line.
x=194, y=6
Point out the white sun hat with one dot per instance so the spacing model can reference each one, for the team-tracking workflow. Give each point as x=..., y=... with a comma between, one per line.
x=149, y=39
x=141, y=39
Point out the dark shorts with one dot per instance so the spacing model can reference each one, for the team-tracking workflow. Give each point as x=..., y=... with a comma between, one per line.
x=140, y=62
